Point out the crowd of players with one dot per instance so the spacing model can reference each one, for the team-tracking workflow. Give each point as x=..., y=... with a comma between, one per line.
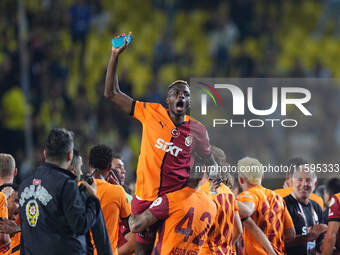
x=175, y=209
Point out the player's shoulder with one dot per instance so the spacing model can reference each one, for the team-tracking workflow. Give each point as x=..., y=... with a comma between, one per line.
x=204, y=199
x=337, y=197
x=180, y=195
x=225, y=189
x=2, y=196
x=252, y=194
x=334, y=207
x=194, y=122
x=273, y=194
x=259, y=191
x=335, y=200
x=110, y=189
x=149, y=105
x=283, y=192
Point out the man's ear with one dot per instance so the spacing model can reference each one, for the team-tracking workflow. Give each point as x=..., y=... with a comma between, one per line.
x=71, y=169
x=290, y=181
x=15, y=172
x=240, y=180
x=167, y=100
x=44, y=153
x=69, y=155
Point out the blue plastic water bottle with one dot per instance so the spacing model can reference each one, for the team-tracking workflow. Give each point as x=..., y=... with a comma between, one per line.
x=119, y=41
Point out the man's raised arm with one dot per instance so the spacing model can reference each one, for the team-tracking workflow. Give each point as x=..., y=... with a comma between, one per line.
x=112, y=91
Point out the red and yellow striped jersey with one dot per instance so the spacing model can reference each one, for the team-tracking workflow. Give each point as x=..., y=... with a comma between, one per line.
x=271, y=215
x=3, y=206
x=220, y=236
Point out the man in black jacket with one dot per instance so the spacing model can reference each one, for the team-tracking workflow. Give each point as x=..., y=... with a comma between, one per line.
x=54, y=216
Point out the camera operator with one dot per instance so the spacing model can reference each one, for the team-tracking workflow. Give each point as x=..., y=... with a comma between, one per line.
x=54, y=216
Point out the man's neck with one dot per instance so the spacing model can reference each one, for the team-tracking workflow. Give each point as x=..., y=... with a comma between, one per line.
x=301, y=200
x=193, y=184
x=176, y=119
x=5, y=180
x=63, y=165
x=99, y=175
x=249, y=186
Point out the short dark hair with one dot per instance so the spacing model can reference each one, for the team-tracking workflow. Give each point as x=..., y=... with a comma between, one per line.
x=294, y=163
x=219, y=155
x=59, y=143
x=176, y=83
x=196, y=175
x=221, y=160
x=117, y=155
x=183, y=82
x=333, y=186
x=101, y=157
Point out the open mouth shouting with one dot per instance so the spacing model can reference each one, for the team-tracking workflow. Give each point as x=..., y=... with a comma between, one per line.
x=180, y=106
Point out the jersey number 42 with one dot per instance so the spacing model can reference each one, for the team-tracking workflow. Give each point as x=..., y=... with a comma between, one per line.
x=187, y=232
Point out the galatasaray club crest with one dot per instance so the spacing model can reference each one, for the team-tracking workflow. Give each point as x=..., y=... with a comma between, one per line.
x=175, y=133
x=188, y=140
x=157, y=202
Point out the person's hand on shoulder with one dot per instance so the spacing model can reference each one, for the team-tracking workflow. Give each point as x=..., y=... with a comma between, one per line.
x=91, y=189
x=9, y=227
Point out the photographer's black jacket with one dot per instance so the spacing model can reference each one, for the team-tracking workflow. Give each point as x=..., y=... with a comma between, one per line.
x=54, y=216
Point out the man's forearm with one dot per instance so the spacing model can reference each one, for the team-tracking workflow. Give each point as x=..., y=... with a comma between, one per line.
x=129, y=247
x=112, y=90
x=136, y=223
x=140, y=222
x=111, y=79
x=328, y=244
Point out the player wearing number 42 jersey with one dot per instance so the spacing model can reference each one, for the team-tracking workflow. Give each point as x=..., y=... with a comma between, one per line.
x=186, y=221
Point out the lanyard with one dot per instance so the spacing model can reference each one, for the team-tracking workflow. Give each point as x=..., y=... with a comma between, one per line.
x=311, y=208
